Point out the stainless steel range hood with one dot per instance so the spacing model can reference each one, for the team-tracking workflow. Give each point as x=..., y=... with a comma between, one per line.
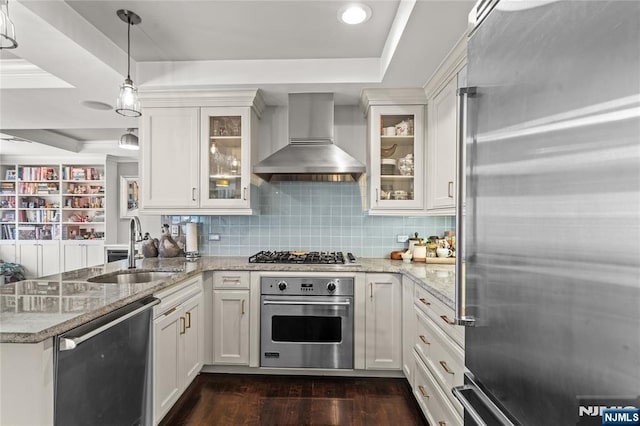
x=311, y=153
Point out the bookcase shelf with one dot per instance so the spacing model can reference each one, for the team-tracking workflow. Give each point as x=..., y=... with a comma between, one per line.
x=41, y=201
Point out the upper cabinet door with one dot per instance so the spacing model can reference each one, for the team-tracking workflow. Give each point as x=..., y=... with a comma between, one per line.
x=170, y=157
x=443, y=130
x=225, y=157
x=396, y=163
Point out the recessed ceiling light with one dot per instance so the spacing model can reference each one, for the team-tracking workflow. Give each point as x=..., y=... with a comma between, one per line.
x=101, y=106
x=353, y=14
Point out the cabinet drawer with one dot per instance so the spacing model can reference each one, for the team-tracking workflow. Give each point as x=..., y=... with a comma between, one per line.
x=435, y=405
x=175, y=295
x=422, y=340
x=440, y=313
x=231, y=279
x=444, y=358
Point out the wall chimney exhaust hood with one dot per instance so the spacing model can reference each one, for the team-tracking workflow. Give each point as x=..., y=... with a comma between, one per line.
x=311, y=153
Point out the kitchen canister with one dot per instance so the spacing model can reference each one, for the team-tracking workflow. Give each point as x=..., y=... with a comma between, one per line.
x=414, y=240
x=420, y=252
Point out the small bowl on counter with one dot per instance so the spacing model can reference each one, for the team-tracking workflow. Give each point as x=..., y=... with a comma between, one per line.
x=396, y=255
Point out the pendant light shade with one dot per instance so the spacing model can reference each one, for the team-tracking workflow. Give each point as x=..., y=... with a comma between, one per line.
x=7, y=30
x=129, y=140
x=128, y=103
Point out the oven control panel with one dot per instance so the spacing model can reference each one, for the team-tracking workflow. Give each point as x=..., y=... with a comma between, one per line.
x=307, y=286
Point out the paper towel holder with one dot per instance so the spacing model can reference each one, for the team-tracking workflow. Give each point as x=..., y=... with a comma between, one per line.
x=192, y=253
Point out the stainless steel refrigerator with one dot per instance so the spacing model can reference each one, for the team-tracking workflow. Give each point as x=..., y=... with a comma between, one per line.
x=549, y=277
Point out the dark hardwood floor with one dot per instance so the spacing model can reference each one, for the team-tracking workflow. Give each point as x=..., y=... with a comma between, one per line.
x=231, y=399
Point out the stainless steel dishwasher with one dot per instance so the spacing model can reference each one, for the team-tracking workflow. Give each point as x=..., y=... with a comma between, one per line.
x=103, y=369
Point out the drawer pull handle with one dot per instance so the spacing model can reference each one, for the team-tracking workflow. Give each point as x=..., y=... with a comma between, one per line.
x=423, y=392
x=188, y=319
x=423, y=300
x=447, y=320
x=424, y=340
x=231, y=280
x=450, y=189
x=170, y=311
x=182, y=322
x=445, y=367
x=441, y=423
x=242, y=306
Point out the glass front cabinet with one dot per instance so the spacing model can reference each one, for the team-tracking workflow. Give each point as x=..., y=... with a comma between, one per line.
x=225, y=157
x=396, y=158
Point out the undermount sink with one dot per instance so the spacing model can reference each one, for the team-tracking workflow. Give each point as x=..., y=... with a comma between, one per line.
x=131, y=276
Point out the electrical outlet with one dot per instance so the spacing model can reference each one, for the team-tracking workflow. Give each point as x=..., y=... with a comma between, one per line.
x=214, y=237
x=402, y=238
x=174, y=229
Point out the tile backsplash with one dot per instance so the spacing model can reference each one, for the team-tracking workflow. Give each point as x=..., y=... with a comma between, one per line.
x=317, y=216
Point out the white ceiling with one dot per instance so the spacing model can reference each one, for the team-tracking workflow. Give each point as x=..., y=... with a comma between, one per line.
x=74, y=51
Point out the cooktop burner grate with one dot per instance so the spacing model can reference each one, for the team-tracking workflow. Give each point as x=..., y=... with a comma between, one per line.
x=303, y=257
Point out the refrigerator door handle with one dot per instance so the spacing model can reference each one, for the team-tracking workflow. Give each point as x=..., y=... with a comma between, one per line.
x=460, y=318
x=497, y=416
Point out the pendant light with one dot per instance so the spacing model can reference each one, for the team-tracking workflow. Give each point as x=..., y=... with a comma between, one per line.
x=128, y=103
x=129, y=141
x=7, y=30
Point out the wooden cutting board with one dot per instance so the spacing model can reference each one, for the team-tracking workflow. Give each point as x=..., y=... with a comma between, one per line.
x=440, y=260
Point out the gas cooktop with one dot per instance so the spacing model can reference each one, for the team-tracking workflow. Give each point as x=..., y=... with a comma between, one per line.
x=304, y=257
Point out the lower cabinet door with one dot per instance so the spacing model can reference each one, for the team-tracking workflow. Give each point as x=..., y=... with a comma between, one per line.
x=95, y=255
x=231, y=327
x=167, y=369
x=383, y=331
x=49, y=259
x=73, y=257
x=193, y=338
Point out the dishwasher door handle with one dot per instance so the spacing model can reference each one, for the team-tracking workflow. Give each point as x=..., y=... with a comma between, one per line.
x=67, y=344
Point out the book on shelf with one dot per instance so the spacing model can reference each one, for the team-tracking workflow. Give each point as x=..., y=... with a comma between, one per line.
x=7, y=231
x=27, y=232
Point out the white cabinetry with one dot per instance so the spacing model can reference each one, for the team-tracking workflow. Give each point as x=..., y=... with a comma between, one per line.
x=231, y=318
x=441, y=147
x=197, y=151
x=170, y=158
x=39, y=258
x=8, y=251
x=395, y=133
x=383, y=335
x=408, y=328
x=439, y=359
x=443, y=126
x=178, y=343
x=77, y=255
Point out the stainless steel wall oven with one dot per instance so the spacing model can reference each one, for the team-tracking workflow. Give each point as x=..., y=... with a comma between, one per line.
x=306, y=322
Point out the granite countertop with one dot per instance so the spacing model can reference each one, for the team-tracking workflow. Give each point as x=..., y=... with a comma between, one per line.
x=32, y=311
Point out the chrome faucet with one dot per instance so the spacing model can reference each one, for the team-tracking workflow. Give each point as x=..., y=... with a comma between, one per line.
x=134, y=228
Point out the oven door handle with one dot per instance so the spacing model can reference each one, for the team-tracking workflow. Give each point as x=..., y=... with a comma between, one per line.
x=301, y=302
